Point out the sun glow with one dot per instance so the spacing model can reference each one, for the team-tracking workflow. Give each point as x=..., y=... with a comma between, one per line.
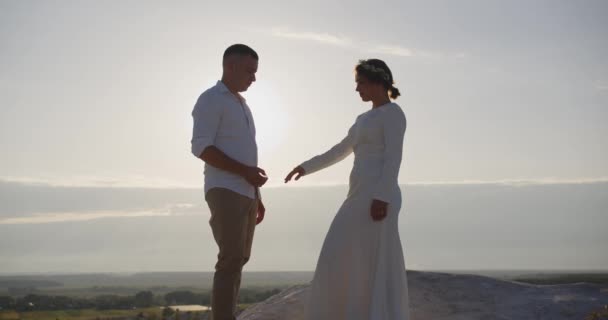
x=270, y=115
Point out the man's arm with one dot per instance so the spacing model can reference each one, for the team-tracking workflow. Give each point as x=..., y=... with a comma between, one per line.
x=215, y=157
x=207, y=116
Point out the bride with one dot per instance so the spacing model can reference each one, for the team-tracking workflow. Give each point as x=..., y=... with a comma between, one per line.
x=361, y=270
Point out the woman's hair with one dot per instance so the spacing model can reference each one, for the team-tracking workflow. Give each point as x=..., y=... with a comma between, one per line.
x=376, y=71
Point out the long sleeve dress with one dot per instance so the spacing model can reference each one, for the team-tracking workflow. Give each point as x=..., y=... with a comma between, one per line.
x=360, y=274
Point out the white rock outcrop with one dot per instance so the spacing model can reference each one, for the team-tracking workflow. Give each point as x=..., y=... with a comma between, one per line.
x=443, y=296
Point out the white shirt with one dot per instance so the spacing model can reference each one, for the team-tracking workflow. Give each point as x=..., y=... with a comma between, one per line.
x=223, y=119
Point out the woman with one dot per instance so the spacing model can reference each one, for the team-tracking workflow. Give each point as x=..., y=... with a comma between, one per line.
x=361, y=271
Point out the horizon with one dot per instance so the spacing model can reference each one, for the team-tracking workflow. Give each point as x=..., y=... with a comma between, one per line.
x=471, y=271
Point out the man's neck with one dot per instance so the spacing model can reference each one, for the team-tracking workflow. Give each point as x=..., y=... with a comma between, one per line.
x=231, y=87
x=233, y=91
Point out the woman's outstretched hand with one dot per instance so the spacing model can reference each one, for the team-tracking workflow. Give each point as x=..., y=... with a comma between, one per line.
x=298, y=171
x=379, y=210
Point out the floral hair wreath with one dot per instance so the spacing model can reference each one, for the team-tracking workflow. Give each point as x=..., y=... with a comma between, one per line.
x=374, y=69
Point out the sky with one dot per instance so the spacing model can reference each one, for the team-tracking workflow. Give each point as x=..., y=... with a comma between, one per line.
x=99, y=94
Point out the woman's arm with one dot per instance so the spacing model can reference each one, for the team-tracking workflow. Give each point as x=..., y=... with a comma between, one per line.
x=330, y=157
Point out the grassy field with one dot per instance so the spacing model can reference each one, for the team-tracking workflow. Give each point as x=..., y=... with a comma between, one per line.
x=95, y=284
x=85, y=314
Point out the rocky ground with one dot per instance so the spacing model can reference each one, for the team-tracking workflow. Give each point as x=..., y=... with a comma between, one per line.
x=443, y=296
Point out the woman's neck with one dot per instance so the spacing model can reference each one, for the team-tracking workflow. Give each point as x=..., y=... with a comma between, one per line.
x=380, y=101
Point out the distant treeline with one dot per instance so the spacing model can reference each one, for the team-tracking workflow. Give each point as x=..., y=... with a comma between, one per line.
x=143, y=299
x=26, y=283
x=595, y=278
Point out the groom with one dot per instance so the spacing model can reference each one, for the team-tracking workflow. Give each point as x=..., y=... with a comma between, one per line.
x=224, y=138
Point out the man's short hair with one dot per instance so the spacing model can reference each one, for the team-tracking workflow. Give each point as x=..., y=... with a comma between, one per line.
x=240, y=49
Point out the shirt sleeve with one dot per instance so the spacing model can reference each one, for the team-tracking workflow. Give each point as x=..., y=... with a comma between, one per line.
x=393, y=132
x=206, y=117
x=334, y=155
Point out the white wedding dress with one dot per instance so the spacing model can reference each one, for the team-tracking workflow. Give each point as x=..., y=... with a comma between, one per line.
x=360, y=274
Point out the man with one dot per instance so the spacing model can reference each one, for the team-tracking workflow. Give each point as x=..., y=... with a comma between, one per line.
x=224, y=138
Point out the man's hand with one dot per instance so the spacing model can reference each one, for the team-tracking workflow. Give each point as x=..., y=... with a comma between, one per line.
x=297, y=170
x=215, y=157
x=255, y=176
x=261, y=212
x=379, y=210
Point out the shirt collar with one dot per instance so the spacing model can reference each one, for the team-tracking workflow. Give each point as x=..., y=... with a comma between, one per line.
x=223, y=89
x=221, y=86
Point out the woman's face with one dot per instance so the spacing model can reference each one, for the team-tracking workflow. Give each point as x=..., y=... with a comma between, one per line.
x=365, y=88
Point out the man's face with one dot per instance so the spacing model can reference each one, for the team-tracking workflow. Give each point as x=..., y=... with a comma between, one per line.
x=244, y=72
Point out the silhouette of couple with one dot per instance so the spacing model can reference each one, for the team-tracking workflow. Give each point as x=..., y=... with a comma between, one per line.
x=360, y=272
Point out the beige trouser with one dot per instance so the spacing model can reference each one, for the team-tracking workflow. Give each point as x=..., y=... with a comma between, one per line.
x=233, y=223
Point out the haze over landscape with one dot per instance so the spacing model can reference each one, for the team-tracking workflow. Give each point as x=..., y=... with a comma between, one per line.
x=505, y=160
x=443, y=227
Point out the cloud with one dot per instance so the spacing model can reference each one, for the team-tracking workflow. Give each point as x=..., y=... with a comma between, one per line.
x=346, y=42
x=54, y=217
x=365, y=46
x=66, y=217
x=461, y=55
x=40, y=204
x=393, y=50
x=74, y=183
x=312, y=36
x=505, y=182
x=601, y=85
x=514, y=182
x=131, y=181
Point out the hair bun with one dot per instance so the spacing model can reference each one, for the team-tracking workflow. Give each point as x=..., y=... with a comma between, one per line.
x=394, y=92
